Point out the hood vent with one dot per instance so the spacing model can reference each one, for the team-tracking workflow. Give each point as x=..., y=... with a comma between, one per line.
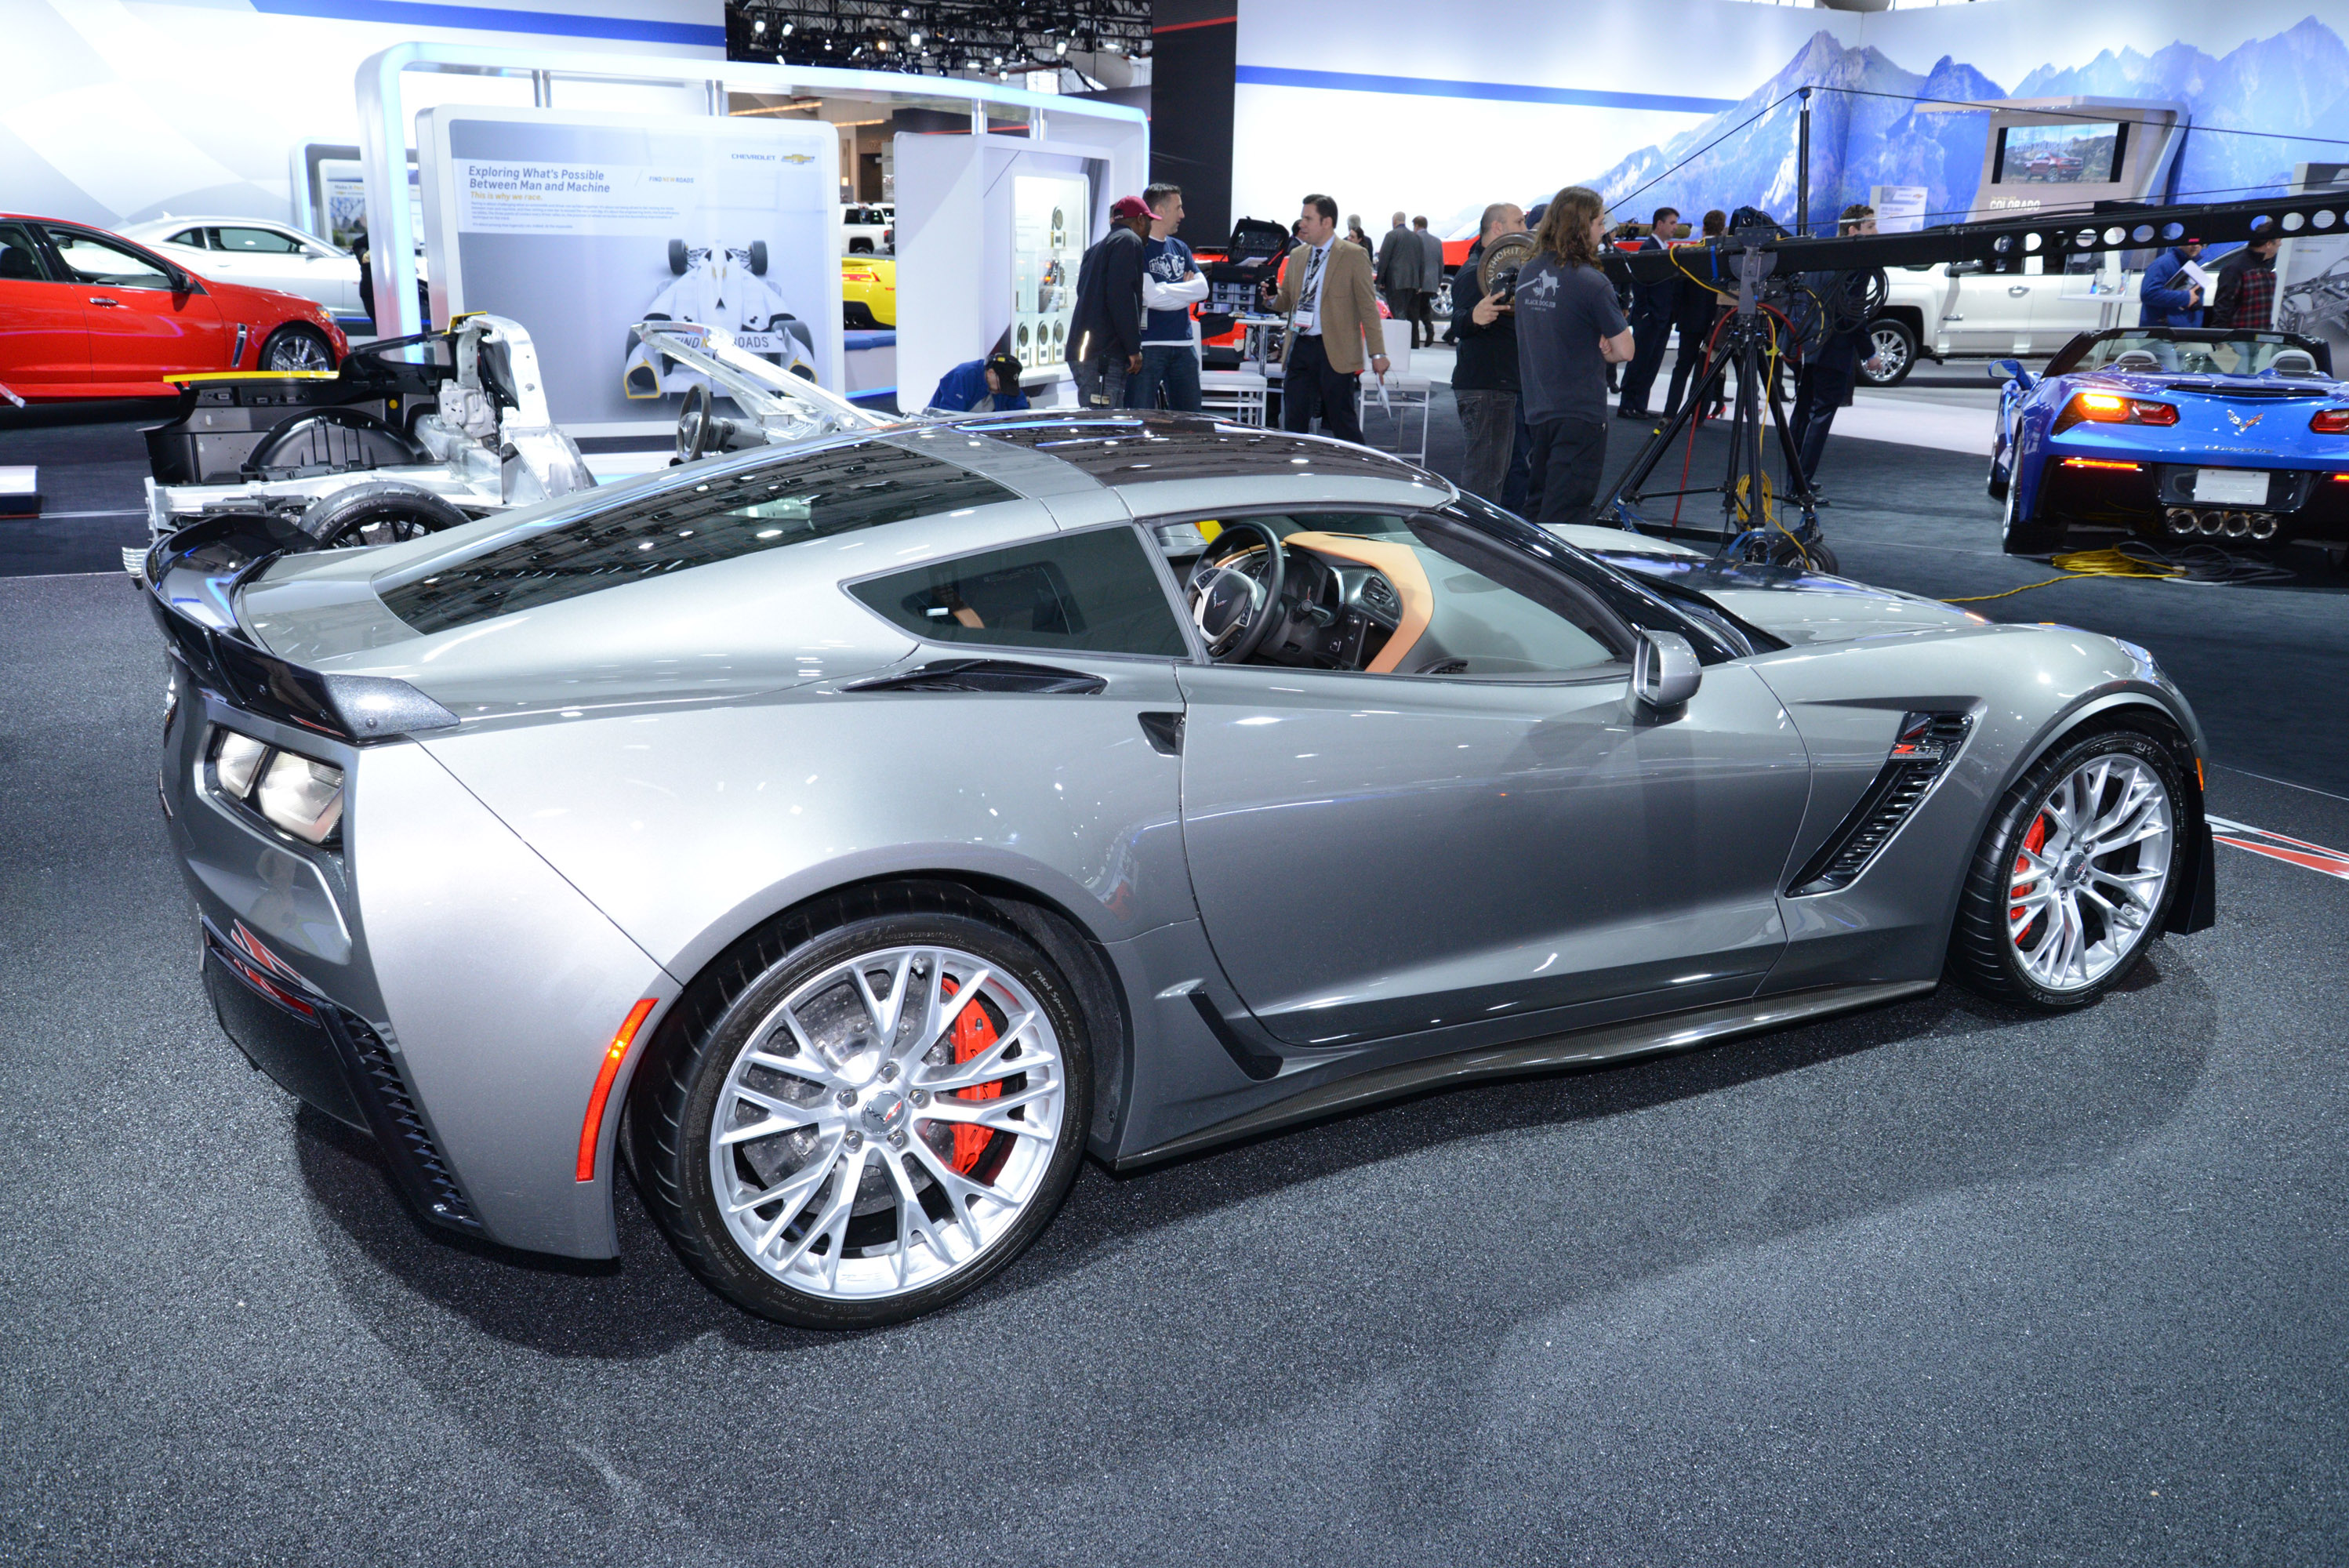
x=1927, y=745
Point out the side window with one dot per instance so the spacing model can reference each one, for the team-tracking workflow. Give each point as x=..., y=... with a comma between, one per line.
x=191, y=238
x=91, y=260
x=1087, y=592
x=20, y=256
x=256, y=242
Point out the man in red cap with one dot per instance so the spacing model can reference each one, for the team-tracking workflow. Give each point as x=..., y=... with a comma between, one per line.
x=1105, y=335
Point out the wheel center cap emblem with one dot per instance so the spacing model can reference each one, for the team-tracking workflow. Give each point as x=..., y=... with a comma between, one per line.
x=886, y=1111
x=2074, y=867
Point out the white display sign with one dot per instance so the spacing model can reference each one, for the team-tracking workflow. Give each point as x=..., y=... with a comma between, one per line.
x=1900, y=209
x=580, y=224
x=1049, y=232
x=506, y=196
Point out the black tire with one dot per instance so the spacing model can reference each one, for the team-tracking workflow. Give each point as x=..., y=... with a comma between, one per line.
x=2020, y=535
x=680, y=258
x=1893, y=342
x=758, y=258
x=1980, y=954
x=294, y=346
x=1998, y=483
x=860, y=247
x=677, y=1093
x=386, y=508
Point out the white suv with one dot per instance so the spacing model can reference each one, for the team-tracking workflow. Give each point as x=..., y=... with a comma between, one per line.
x=1959, y=310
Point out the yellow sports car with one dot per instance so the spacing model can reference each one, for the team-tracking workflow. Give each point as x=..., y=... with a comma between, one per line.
x=868, y=291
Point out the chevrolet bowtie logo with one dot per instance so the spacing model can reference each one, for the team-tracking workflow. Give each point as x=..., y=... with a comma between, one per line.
x=2240, y=423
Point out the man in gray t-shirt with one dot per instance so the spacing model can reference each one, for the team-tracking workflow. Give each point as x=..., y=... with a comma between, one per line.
x=1569, y=328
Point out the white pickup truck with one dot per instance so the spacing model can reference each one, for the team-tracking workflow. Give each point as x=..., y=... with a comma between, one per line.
x=1957, y=310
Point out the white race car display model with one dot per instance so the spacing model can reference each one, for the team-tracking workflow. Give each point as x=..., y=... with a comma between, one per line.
x=778, y=407
x=717, y=286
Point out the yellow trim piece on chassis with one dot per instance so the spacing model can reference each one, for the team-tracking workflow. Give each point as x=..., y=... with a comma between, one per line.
x=188, y=377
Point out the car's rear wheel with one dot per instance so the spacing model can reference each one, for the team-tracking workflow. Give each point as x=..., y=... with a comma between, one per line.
x=2073, y=877
x=872, y=1113
x=297, y=347
x=376, y=512
x=2020, y=534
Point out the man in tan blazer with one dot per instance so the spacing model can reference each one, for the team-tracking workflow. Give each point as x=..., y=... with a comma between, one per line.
x=1332, y=308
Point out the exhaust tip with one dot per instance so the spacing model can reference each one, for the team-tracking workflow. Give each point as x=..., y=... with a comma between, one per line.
x=2263, y=525
x=2212, y=521
x=2238, y=525
x=2181, y=520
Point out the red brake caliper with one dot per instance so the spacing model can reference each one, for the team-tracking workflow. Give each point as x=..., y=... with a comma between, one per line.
x=973, y=1031
x=2035, y=841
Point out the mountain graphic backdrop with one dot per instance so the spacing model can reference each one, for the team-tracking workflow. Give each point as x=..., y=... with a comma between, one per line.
x=2293, y=86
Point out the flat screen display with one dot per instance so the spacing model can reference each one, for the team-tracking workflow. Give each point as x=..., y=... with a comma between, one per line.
x=2078, y=154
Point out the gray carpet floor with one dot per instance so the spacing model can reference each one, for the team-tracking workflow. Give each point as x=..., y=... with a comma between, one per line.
x=1938, y=1283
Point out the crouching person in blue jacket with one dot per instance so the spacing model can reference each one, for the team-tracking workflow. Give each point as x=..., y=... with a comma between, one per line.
x=2165, y=303
x=988, y=386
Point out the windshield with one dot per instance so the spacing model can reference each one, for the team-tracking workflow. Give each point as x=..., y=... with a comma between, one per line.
x=2252, y=354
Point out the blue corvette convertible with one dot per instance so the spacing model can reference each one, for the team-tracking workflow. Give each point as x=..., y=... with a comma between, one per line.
x=2176, y=433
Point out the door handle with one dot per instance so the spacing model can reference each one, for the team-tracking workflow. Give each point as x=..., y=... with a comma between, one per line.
x=1953, y=318
x=95, y=299
x=2019, y=290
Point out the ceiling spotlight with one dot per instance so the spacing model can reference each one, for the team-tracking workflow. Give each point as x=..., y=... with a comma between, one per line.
x=758, y=25
x=788, y=28
x=998, y=60
x=914, y=39
x=1060, y=48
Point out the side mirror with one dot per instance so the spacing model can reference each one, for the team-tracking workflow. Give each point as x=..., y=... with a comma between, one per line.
x=1665, y=672
x=2004, y=370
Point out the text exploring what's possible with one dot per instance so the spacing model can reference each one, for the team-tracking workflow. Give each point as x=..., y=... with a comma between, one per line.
x=516, y=196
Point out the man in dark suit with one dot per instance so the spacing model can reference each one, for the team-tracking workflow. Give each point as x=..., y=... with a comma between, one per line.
x=1654, y=307
x=1699, y=312
x=1105, y=332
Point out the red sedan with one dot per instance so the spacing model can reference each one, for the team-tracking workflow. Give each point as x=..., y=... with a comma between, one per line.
x=85, y=314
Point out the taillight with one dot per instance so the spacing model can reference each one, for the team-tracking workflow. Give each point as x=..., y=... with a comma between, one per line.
x=2112, y=409
x=2329, y=422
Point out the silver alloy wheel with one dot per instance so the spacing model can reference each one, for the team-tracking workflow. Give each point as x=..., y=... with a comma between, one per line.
x=2085, y=895
x=1891, y=350
x=298, y=351
x=854, y=1157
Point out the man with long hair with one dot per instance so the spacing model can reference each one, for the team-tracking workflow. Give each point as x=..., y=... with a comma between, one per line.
x=1570, y=329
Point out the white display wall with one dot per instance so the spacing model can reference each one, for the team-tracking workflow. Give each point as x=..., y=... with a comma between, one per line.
x=579, y=225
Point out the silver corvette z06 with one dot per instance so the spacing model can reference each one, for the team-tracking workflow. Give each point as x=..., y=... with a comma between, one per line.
x=849, y=836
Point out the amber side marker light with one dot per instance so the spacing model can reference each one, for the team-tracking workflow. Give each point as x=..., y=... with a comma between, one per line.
x=591, y=1131
x=2101, y=463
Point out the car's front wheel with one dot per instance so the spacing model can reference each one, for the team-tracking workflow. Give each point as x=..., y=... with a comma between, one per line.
x=872, y=1111
x=1891, y=350
x=297, y=347
x=2073, y=877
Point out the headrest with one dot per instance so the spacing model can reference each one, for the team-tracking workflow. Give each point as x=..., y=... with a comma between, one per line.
x=2136, y=359
x=2291, y=362
x=16, y=262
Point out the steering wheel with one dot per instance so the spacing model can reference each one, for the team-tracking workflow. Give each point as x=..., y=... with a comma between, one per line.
x=693, y=423
x=1236, y=600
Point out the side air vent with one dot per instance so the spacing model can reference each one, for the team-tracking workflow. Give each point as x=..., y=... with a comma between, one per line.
x=400, y=1127
x=1927, y=744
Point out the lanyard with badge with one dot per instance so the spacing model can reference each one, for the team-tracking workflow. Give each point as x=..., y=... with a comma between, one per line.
x=1308, y=296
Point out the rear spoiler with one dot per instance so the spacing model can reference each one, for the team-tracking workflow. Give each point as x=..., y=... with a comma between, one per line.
x=192, y=579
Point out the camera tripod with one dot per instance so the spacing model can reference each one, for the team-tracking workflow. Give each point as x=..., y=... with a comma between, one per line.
x=1751, y=339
